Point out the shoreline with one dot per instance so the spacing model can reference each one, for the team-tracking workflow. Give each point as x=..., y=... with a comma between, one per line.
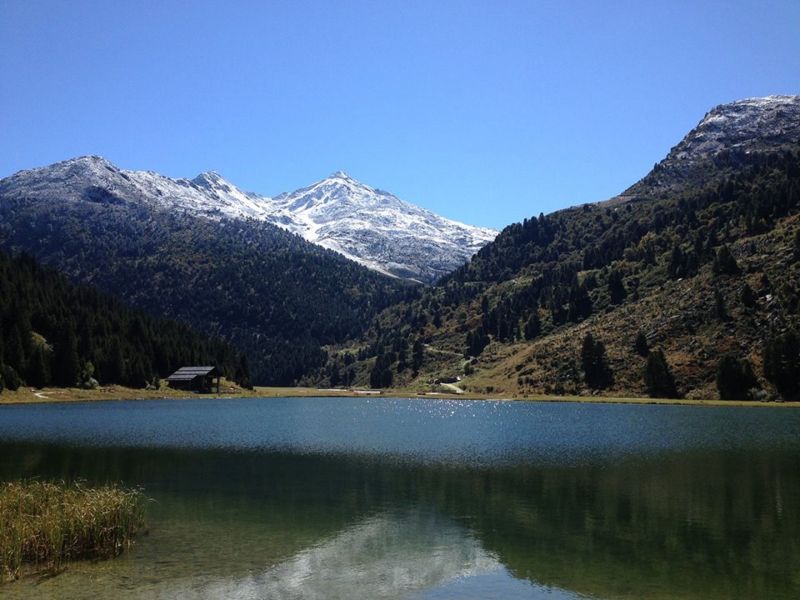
x=116, y=393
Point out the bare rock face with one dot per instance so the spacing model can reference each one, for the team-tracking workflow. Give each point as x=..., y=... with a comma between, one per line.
x=367, y=225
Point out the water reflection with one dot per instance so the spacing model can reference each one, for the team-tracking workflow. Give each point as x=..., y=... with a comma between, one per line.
x=707, y=520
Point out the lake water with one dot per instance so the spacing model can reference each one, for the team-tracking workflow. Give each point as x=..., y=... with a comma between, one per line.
x=379, y=498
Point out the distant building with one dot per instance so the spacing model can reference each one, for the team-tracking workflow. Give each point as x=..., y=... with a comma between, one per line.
x=195, y=379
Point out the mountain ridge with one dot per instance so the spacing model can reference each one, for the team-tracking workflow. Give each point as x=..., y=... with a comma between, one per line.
x=364, y=224
x=696, y=262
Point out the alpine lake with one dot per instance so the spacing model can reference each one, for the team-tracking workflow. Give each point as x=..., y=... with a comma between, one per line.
x=391, y=498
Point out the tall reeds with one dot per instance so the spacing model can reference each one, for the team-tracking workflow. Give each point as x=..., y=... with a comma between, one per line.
x=44, y=525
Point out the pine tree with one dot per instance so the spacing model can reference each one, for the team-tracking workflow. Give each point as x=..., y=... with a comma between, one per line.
x=417, y=356
x=15, y=354
x=242, y=376
x=11, y=377
x=675, y=268
x=735, y=378
x=334, y=376
x=782, y=364
x=115, y=370
x=533, y=326
x=724, y=262
x=580, y=304
x=66, y=364
x=616, y=287
x=658, y=376
x=402, y=359
x=640, y=346
x=38, y=374
x=719, y=306
x=748, y=296
x=597, y=373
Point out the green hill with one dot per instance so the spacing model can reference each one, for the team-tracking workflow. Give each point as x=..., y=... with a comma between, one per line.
x=698, y=261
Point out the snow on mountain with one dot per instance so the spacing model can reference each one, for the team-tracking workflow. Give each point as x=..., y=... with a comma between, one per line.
x=364, y=224
x=752, y=124
x=746, y=126
x=378, y=229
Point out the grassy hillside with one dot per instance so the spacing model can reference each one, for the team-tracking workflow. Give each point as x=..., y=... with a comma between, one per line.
x=703, y=269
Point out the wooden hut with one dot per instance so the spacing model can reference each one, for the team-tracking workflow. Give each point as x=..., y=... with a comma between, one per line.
x=196, y=379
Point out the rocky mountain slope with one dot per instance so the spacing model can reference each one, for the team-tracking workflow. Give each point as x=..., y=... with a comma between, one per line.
x=369, y=226
x=697, y=262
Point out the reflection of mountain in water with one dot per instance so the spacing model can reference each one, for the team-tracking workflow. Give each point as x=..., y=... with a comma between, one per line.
x=389, y=555
x=393, y=555
x=705, y=523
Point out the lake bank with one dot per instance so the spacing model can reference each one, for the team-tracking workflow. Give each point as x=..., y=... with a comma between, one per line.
x=25, y=395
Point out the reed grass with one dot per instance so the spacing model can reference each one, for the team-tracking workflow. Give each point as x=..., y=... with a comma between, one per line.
x=44, y=525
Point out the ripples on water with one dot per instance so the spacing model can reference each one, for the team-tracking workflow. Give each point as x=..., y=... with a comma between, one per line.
x=427, y=499
x=465, y=432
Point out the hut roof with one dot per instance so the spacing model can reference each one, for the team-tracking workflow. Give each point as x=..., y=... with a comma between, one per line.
x=189, y=373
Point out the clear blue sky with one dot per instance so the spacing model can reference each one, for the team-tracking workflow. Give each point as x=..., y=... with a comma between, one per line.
x=486, y=112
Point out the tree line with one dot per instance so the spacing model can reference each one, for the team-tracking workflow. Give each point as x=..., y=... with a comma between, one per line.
x=54, y=332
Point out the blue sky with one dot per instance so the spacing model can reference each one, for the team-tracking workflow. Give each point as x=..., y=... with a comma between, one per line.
x=487, y=112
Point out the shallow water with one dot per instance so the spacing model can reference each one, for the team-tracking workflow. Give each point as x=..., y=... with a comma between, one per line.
x=428, y=499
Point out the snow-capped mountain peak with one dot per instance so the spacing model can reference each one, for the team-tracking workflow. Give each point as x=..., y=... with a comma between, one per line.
x=370, y=226
x=749, y=124
x=378, y=229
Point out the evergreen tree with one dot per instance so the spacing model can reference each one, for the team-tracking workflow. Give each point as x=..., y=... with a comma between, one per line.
x=748, y=296
x=532, y=326
x=242, y=376
x=66, y=364
x=137, y=373
x=640, y=345
x=616, y=287
x=334, y=376
x=658, y=376
x=597, y=373
x=11, y=377
x=38, y=374
x=724, y=262
x=417, y=356
x=115, y=371
x=735, y=378
x=580, y=304
x=477, y=340
x=782, y=364
x=402, y=359
x=381, y=374
x=15, y=353
x=675, y=267
x=719, y=306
